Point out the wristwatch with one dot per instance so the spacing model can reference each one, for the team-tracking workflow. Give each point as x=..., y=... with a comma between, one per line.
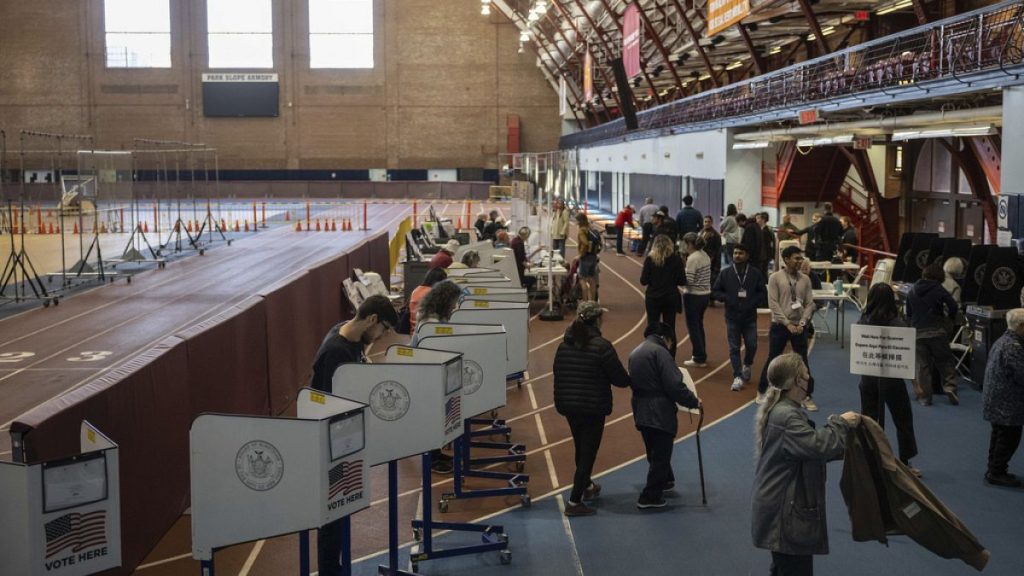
x=803, y=323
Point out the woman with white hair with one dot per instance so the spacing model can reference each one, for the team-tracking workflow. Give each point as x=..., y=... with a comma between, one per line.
x=788, y=516
x=1003, y=400
x=954, y=270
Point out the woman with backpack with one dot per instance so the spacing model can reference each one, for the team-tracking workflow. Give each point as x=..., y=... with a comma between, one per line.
x=588, y=245
x=662, y=274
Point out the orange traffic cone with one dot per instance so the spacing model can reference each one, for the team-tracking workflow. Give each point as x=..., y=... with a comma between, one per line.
x=458, y=223
x=58, y=228
x=334, y=225
x=223, y=224
x=246, y=225
x=298, y=226
x=317, y=224
x=287, y=215
x=237, y=227
x=103, y=228
x=145, y=227
x=76, y=228
x=51, y=228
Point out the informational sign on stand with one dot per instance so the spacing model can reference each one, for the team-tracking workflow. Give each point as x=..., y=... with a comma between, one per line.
x=255, y=477
x=63, y=516
x=883, y=351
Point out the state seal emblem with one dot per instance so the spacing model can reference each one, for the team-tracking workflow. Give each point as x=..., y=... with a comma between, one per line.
x=259, y=465
x=389, y=400
x=922, y=259
x=1004, y=278
x=472, y=376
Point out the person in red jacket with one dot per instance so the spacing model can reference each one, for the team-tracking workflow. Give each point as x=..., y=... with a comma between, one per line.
x=624, y=218
x=443, y=258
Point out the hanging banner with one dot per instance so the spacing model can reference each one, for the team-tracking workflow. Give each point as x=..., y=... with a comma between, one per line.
x=725, y=13
x=563, y=104
x=588, y=76
x=631, y=40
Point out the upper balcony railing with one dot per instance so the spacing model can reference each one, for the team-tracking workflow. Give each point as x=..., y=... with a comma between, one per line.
x=988, y=39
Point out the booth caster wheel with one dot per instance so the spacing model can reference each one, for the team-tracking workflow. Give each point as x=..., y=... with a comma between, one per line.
x=162, y=265
x=415, y=566
x=46, y=303
x=56, y=301
x=526, y=501
x=129, y=279
x=520, y=466
x=417, y=534
x=442, y=506
x=508, y=437
x=202, y=252
x=506, y=556
x=229, y=244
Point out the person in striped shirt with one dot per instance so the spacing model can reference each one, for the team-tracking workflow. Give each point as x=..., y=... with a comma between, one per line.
x=696, y=297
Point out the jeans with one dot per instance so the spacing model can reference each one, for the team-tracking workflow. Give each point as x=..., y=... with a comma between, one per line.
x=587, y=430
x=619, y=230
x=792, y=565
x=877, y=393
x=1001, y=447
x=659, y=459
x=933, y=352
x=664, y=309
x=778, y=336
x=645, y=238
x=559, y=245
x=694, y=307
x=728, y=254
x=734, y=331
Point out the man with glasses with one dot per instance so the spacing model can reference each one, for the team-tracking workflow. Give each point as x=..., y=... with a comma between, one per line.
x=345, y=344
x=791, y=300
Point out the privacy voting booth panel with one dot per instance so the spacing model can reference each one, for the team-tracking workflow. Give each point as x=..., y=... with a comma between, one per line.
x=506, y=265
x=495, y=294
x=484, y=354
x=913, y=255
x=936, y=250
x=1002, y=281
x=976, y=264
x=414, y=405
x=63, y=516
x=256, y=477
x=515, y=317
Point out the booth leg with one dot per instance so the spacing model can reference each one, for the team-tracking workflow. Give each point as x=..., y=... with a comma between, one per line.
x=393, y=515
x=206, y=567
x=304, y=553
x=346, y=546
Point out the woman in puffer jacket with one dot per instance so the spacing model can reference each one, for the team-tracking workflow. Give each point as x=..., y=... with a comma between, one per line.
x=586, y=366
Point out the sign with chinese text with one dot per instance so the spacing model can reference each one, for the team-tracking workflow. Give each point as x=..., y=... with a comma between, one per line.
x=883, y=351
x=725, y=13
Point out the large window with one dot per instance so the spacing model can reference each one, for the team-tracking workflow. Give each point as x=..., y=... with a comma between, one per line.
x=240, y=33
x=138, y=33
x=341, y=33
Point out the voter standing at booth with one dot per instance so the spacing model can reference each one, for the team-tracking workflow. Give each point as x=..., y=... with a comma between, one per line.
x=586, y=367
x=344, y=344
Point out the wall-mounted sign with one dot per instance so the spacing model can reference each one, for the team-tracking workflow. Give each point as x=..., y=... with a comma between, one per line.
x=809, y=116
x=725, y=13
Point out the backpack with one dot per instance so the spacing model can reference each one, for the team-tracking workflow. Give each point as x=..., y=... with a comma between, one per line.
x=595, y=242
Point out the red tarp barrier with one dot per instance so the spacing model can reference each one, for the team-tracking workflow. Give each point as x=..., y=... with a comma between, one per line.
x=290, y=310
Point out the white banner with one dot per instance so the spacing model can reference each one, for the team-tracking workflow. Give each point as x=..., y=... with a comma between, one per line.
x=883, y=351
x=257, y=77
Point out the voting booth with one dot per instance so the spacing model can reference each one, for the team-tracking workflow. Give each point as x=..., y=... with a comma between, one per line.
x=256, y=477
x=495, y=294
x=497, y=281
x=62, y=516
x=484, y=357
x=514, y=316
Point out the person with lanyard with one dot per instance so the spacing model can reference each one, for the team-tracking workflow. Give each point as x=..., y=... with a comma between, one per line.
x=742, y=288
x=346, y=344
x=791, y=301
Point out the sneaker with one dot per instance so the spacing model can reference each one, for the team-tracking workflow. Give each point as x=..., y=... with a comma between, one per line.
x=924, y=401
x=953, y=398
x=745, y=374
x=581, y=509
x=691, y=363
x=670, y=485
x=593, y=492
x=762, y=397
x=809, y=405
x=620, y=253
x=737, y=384
x=646, y=502
x=1007, y=480
x=441, y=466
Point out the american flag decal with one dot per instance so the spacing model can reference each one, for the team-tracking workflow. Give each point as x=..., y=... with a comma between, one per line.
x=452, y=410
x=344, y=478
x=76, y=532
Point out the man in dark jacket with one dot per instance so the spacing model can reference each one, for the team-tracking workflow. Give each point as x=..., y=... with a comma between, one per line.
x=689, y=219
x=742, y=287
x=752, y=240
x=664, y=225
x=849, y=237
x=931, y=311
x=829, y=232
x=1004, y=399
x=657, y=387
x=586, y=367
x=767, y=240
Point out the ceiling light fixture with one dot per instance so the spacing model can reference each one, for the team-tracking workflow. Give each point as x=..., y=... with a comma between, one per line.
x=734, y=65
x=754, y=145
x=898, y=5
x=825, y=140
x=485, y=9
x=951, y=131
x=775, y=50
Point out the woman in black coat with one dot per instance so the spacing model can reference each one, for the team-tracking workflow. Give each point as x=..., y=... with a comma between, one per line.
x=586, y=366
x=662, y=274
x=877, y=392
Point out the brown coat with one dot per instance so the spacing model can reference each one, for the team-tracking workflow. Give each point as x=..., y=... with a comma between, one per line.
x=884, y=498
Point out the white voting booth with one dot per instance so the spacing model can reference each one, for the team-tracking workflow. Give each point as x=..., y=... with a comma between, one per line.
x=63, y=516
x=484, y=358
x=256, y=477
x=514, y=316
x=414, y=398
x=495, y=294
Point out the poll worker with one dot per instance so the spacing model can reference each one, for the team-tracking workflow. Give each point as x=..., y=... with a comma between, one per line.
x=849, y=238
x=877, y=393
x=752, y=239
x=586, y=367
x=657, y=387
x=788, y=512
x=518, y=246
x=646, y=218
x=1003, y=399
x=742, y=288
x=559, y=227
x=931, y=310
x=345, y=344
x=444, y=256
x=791, y=301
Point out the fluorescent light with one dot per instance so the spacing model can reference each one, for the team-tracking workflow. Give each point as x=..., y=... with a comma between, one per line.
x=704, y=77
x=485, y=9
x=533, y=17
x=901, y=4
x=734, y=65
x=753, y=145
x=524, y=36
x=825, y=140
x=811, y=37
x=828, y=30
x=958, y=131
x=775, y=50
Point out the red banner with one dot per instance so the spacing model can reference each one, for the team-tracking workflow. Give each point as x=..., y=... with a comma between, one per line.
x=631, y=40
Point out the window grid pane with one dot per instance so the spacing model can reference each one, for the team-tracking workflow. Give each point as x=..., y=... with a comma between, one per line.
x=241, y=50
x=137, y=15
x=137, y=33
x=224, y=16
x=341, y=33
x=138, y=50
x=341, y=16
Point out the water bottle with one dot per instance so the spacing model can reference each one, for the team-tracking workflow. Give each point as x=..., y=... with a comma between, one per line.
x=838, y=286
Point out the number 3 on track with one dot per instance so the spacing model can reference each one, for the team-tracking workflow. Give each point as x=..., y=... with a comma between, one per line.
x=90, y=356
x=12, y=357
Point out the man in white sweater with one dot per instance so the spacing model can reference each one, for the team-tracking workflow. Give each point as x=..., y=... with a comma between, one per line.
x=696, y=296
x=791, y=300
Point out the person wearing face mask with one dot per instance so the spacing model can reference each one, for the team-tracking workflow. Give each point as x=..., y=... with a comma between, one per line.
x=657, y=387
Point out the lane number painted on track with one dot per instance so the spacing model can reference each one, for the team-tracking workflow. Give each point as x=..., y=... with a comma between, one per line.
x=90, y=356
x=12, y=357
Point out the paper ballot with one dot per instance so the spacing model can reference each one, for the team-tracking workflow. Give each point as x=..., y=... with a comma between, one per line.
x=692, y=387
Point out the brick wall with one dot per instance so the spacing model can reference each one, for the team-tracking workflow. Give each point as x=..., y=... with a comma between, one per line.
x=444, y=82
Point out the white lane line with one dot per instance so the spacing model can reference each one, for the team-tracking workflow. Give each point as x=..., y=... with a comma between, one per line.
x=533, y=399
x=164, y=561
x=568, y=533
x=540, y=430
x=551, y=469
x=251, y=559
